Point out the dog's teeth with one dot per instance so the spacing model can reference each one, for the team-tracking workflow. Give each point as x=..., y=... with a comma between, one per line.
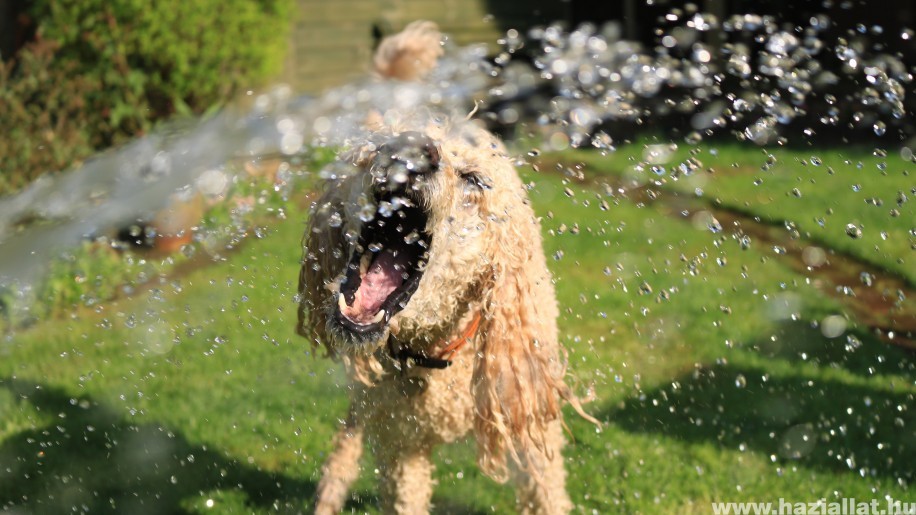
x=364, y=263
x=379, y=316
x=341, y=303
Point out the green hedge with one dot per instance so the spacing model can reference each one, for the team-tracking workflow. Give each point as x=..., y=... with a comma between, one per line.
x=102, y=71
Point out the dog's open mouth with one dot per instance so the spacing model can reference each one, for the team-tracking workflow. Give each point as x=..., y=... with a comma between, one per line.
x=385, y=268
x=392, y=249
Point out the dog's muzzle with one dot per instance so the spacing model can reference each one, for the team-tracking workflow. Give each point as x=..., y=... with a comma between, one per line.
x=403, y=160
x=391, y=253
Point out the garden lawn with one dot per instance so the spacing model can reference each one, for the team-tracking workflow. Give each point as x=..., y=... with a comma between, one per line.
x=821, y=192
x=707, y=364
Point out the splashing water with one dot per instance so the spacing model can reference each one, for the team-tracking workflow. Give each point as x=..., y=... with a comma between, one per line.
x=137, y=179
x=572, y=83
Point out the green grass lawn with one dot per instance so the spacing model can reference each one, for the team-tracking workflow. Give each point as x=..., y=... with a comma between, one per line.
x=821, y=191
x=708, y=363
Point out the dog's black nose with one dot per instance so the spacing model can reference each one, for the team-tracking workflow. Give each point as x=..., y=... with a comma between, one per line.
x=414, y=151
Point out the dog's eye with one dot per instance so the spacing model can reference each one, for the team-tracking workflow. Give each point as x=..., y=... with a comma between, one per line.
x=476, y=180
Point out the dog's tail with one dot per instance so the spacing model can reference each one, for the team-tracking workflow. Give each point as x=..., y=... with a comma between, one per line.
x=409, y=54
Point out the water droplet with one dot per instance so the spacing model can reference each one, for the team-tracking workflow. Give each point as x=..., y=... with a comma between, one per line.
x=798, y=441
x=814, y=256
x=853, y=231
x=852, y=343
x=412, y=238
x=367, y=213
x=693, y=138
x=833, y=326
x=713, y=225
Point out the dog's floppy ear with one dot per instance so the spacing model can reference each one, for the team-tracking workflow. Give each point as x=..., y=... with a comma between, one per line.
x=518, y=376
x=324, y=250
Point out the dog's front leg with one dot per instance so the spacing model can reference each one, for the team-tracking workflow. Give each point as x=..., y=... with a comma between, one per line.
x=406, y=478
x=541, y=487
x=341, y=468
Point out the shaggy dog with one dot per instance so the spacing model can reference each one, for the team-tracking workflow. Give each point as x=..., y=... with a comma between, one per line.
x=423, y=271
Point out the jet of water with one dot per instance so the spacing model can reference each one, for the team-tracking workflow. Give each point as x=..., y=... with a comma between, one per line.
x=130, y=183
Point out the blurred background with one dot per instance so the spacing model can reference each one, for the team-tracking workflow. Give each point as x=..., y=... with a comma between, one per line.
x=82, y=76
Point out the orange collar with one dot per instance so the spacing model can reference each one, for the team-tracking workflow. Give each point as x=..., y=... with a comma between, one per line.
x=462, y=339
x=443, y=359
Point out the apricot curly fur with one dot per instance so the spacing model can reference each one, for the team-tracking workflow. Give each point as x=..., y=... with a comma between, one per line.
x=506, y=385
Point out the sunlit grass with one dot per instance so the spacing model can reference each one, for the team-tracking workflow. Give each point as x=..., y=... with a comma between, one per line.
x=820, y=191
x=706, y=362
x=701, y=390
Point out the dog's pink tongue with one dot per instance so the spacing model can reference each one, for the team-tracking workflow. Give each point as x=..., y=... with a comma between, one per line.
x=382, y=278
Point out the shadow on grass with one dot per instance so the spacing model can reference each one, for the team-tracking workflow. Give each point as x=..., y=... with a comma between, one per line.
x=818, y=421
x=856, y=351
x=91, y=459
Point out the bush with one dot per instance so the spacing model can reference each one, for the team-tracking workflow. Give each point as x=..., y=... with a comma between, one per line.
x=100, y=72
x=43, y=109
